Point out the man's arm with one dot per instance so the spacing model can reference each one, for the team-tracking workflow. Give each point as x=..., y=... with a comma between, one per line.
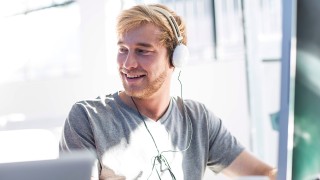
x=248, y=165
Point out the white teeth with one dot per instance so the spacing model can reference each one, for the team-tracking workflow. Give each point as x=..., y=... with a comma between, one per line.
x=136, y=76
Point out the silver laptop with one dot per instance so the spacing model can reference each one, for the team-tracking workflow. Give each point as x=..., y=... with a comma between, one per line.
x=71, y=166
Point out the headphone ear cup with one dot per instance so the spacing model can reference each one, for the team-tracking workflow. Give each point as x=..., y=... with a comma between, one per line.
x=180, y=55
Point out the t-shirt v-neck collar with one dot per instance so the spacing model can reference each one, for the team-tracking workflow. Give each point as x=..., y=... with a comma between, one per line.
x=163, y=118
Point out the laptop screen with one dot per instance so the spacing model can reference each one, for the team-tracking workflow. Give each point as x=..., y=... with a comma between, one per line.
x=73, y=166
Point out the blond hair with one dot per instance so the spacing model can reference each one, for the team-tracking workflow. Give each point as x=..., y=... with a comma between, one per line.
x=142, y=14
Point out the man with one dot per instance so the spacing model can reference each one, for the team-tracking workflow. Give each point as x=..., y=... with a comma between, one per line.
x=143, y=132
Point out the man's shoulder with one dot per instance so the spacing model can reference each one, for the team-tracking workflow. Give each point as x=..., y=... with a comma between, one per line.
x=190, y=102
x=99, y=100
x=190, y=105
x=195, y=108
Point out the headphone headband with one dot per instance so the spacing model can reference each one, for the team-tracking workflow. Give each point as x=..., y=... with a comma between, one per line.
x=172, y=22
x=180, y=53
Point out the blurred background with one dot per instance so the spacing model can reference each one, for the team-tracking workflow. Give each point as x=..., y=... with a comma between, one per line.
x=56, y=52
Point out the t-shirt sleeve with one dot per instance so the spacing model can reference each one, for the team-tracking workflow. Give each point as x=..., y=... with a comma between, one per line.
x=77, y=134
x=223, y=146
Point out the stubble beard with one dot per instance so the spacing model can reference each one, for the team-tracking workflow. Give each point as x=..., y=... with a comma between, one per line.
x=142, y=92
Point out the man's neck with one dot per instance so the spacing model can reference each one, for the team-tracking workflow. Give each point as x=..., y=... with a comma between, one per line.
x=152, y=107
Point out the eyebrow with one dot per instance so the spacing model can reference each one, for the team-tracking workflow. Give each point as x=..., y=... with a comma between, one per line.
x=138, y=44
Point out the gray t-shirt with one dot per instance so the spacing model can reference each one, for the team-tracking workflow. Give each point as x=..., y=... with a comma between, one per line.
x=184, y=141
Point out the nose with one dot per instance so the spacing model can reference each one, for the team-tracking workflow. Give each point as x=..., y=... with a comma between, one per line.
x=130, y=61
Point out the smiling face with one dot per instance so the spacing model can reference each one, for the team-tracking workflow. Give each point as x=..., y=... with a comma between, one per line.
x=143, y=63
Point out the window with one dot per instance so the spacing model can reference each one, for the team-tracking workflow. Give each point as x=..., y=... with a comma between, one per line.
x=39, y=41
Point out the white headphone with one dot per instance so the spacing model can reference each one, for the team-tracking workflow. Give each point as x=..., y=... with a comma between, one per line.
x=180, y=53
